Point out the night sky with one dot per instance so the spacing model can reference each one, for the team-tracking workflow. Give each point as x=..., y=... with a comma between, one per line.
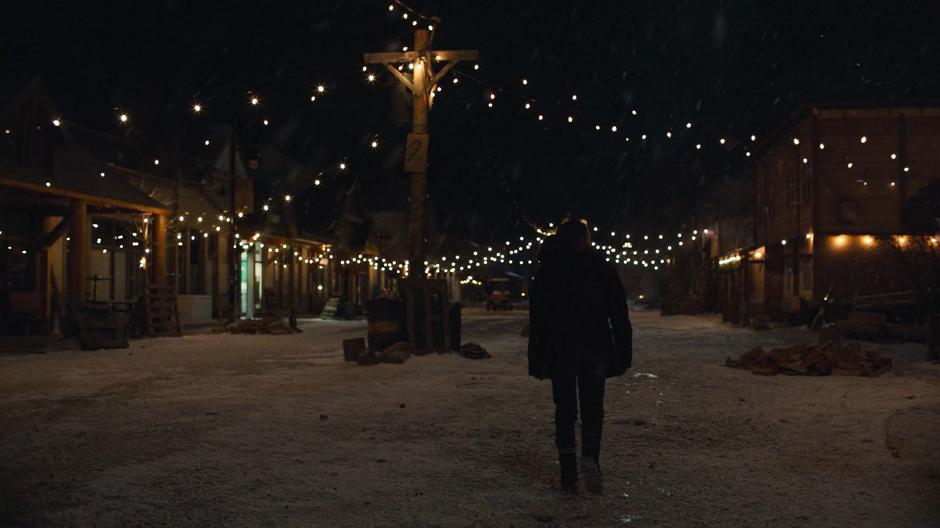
x=732, y=68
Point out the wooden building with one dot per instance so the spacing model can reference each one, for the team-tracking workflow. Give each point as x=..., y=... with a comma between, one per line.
x=832, y=183
x=88, y=217
x=65, y=216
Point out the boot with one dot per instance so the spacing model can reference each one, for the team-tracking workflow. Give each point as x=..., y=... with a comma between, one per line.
x=569, y=472
x=593, y=479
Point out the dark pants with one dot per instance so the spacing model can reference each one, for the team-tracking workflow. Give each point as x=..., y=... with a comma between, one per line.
x=587, y=384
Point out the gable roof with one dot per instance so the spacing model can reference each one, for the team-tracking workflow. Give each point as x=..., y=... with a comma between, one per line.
x=67, y=170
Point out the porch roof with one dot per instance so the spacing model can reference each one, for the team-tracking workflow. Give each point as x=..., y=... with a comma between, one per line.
x=103, y=192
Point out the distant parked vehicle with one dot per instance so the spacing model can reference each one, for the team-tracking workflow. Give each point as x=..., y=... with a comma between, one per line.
x=499, y=296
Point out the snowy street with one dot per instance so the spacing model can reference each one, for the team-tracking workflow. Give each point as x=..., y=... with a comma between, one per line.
x=277, y=430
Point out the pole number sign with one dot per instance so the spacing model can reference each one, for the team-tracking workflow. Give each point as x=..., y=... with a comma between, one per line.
x=416, y=153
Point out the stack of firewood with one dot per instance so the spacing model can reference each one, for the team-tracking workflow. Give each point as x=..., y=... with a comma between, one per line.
x=272, y=325
x=829, y=357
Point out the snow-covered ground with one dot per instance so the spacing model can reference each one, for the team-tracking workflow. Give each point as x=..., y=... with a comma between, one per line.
x=240, y=430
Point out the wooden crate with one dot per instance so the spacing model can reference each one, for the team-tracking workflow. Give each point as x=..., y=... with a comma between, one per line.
x=97, y=326
x=426, y=315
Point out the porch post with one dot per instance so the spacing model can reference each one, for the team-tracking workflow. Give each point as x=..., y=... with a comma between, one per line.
x=79, y=247
x=159, y=250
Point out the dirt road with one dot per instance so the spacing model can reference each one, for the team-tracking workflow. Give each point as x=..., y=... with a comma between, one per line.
x=222, y=430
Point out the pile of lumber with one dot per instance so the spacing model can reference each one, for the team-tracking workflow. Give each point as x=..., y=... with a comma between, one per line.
x=473, y=351
x=271, y=325
x=828, y=357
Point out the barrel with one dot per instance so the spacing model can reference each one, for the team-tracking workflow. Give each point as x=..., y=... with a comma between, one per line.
x=386, y=323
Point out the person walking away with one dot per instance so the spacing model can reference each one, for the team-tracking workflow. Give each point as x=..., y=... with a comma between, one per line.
x=580, y=335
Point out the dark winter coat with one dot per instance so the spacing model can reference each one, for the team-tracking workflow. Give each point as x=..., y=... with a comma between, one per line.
x=578, y=314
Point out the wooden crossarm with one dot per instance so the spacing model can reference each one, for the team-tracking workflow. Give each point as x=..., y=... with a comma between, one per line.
x=396, y=57
x=386, y=57
x=455, y=55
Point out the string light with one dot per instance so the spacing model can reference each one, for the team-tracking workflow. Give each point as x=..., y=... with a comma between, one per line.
x=123, y=118
x=255, y=101
x=57, y=122
x=863, y=139
x=197, y=108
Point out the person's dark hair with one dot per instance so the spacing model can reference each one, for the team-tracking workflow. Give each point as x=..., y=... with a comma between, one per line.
x=574, y=234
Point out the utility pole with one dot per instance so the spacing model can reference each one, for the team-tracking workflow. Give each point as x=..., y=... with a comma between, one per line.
x=421, y=84
x=234, y=272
